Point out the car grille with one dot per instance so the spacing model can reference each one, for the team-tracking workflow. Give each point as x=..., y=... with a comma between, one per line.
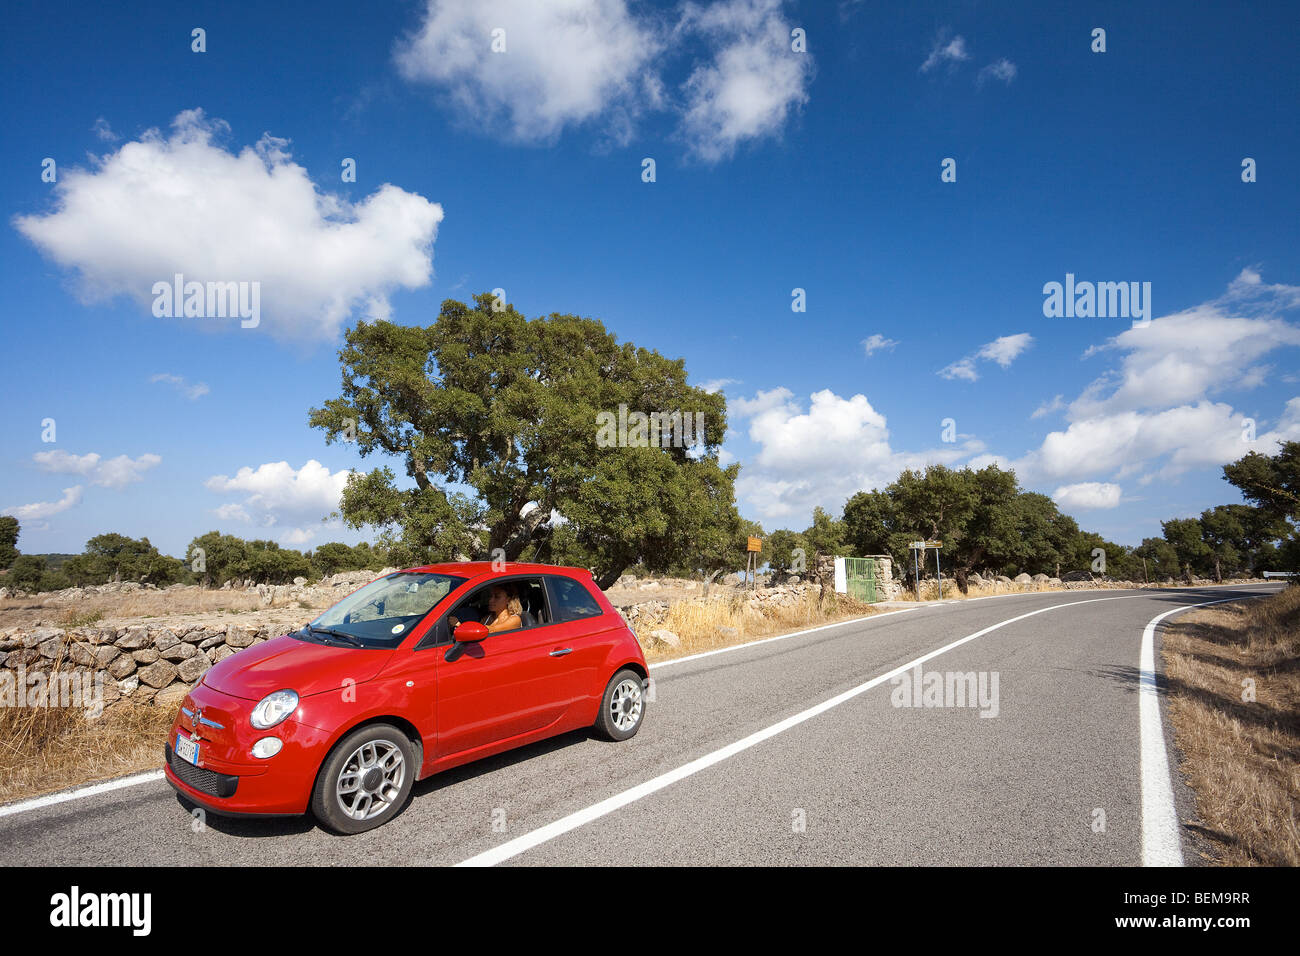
x=205, y=781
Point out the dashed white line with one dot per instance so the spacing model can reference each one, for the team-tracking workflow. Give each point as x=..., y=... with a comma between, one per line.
x=521, y=844
x=781, y=637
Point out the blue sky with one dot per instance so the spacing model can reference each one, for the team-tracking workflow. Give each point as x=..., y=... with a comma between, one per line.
x=775, y=171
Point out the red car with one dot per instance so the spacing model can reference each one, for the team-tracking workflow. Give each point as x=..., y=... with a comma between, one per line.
x=402, y=679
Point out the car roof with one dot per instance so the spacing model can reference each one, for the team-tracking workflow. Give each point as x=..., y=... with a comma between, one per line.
x=478, y=569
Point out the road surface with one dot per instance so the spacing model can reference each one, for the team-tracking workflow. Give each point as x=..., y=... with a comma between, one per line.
x=789, y=751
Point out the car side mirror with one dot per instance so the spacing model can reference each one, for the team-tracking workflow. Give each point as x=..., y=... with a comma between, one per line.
x=469, y=632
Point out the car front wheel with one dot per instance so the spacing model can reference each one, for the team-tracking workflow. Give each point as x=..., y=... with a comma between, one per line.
x=365, y=780
x=623, y=707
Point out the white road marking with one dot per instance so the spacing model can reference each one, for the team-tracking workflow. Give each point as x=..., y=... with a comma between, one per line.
x=520, y=844
x=781, y=637
x=1161, y=843
x=48, y=801
x=136, y=779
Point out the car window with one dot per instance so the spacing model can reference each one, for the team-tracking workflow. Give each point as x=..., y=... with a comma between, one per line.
x=530, y=592
x=571, y=601
x=384, y=611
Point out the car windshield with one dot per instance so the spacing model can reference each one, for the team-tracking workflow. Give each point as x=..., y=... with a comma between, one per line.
x=383, y=612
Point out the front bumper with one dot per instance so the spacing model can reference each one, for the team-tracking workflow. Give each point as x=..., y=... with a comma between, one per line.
x=229, y=779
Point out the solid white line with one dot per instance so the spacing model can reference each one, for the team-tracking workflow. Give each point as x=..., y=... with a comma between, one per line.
x=781, y=637
x=1161, y=844
x=528, y=841
x=48, y=801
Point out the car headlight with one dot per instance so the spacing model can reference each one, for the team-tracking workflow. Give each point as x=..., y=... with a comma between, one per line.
x=273, y=708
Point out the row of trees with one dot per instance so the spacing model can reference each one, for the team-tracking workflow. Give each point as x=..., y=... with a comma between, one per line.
x=211, y=559
x=988, y=523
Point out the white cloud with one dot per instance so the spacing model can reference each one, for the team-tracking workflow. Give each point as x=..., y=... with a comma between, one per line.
x=1006, y=349
x=946, y=51
x=1166, y=443
x=234, y=512
x=1250, y=288
x=1086, y=495
x=184, y=204
x=717, y=384
x=104, y=131
x=44, y=509
x=565, y=62
x=1002, y=69
x=185, y=388
x=821, y=454
x=876, y=342
x=275, y=494
x=1003, y=351
x=963, y=369
x=297, y=537
x=1186, y=356
x=1047, y=408
x=753, y=81
x=107, y=473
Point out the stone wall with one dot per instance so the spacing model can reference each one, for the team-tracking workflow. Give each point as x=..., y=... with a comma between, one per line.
x=139, y=662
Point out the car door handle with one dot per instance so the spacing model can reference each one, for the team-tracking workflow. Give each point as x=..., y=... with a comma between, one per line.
x=562, y=651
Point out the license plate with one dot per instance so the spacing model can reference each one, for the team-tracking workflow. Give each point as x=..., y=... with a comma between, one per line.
x=187, y=750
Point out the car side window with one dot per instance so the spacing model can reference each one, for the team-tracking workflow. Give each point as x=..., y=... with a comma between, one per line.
x=571, y=601
x=534, y=611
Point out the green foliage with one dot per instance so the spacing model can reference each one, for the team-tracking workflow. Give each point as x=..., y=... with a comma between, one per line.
x=1272, y=483
x=334, y=557
x=8, y=540
x=25, y=573
x=1184, y=536
x=115, y=557
x=985, y=521
x=1161, y=559
x=780, y=550
x=227, y=557
x=825, y=535
x=507, y=407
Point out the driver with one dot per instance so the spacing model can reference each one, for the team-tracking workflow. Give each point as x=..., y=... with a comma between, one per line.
x=504, y=611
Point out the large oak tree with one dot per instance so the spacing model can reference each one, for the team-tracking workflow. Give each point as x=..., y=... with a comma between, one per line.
x=493, y=417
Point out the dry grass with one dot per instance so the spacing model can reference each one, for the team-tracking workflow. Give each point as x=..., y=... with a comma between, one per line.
x=43, y=749
x=708, y=625
x=1242, y=758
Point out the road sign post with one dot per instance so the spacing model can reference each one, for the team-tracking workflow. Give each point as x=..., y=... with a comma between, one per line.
x=918, y=560
x=753, y=548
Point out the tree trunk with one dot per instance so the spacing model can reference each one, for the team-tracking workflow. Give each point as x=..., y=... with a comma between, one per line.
x=709, y=579
x=608, y=578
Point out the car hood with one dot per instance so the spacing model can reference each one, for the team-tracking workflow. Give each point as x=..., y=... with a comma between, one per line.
x=285, y=663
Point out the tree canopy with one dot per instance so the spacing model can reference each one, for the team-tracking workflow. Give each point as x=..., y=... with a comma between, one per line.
x=494, y=419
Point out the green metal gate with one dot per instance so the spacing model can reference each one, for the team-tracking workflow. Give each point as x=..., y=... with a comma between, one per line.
x=861, y=578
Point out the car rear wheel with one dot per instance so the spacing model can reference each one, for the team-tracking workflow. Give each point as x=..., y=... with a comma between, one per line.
x=623, y=707
x=365, y=780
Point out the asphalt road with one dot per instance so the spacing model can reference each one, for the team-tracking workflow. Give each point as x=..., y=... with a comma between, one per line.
x=722, y=780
